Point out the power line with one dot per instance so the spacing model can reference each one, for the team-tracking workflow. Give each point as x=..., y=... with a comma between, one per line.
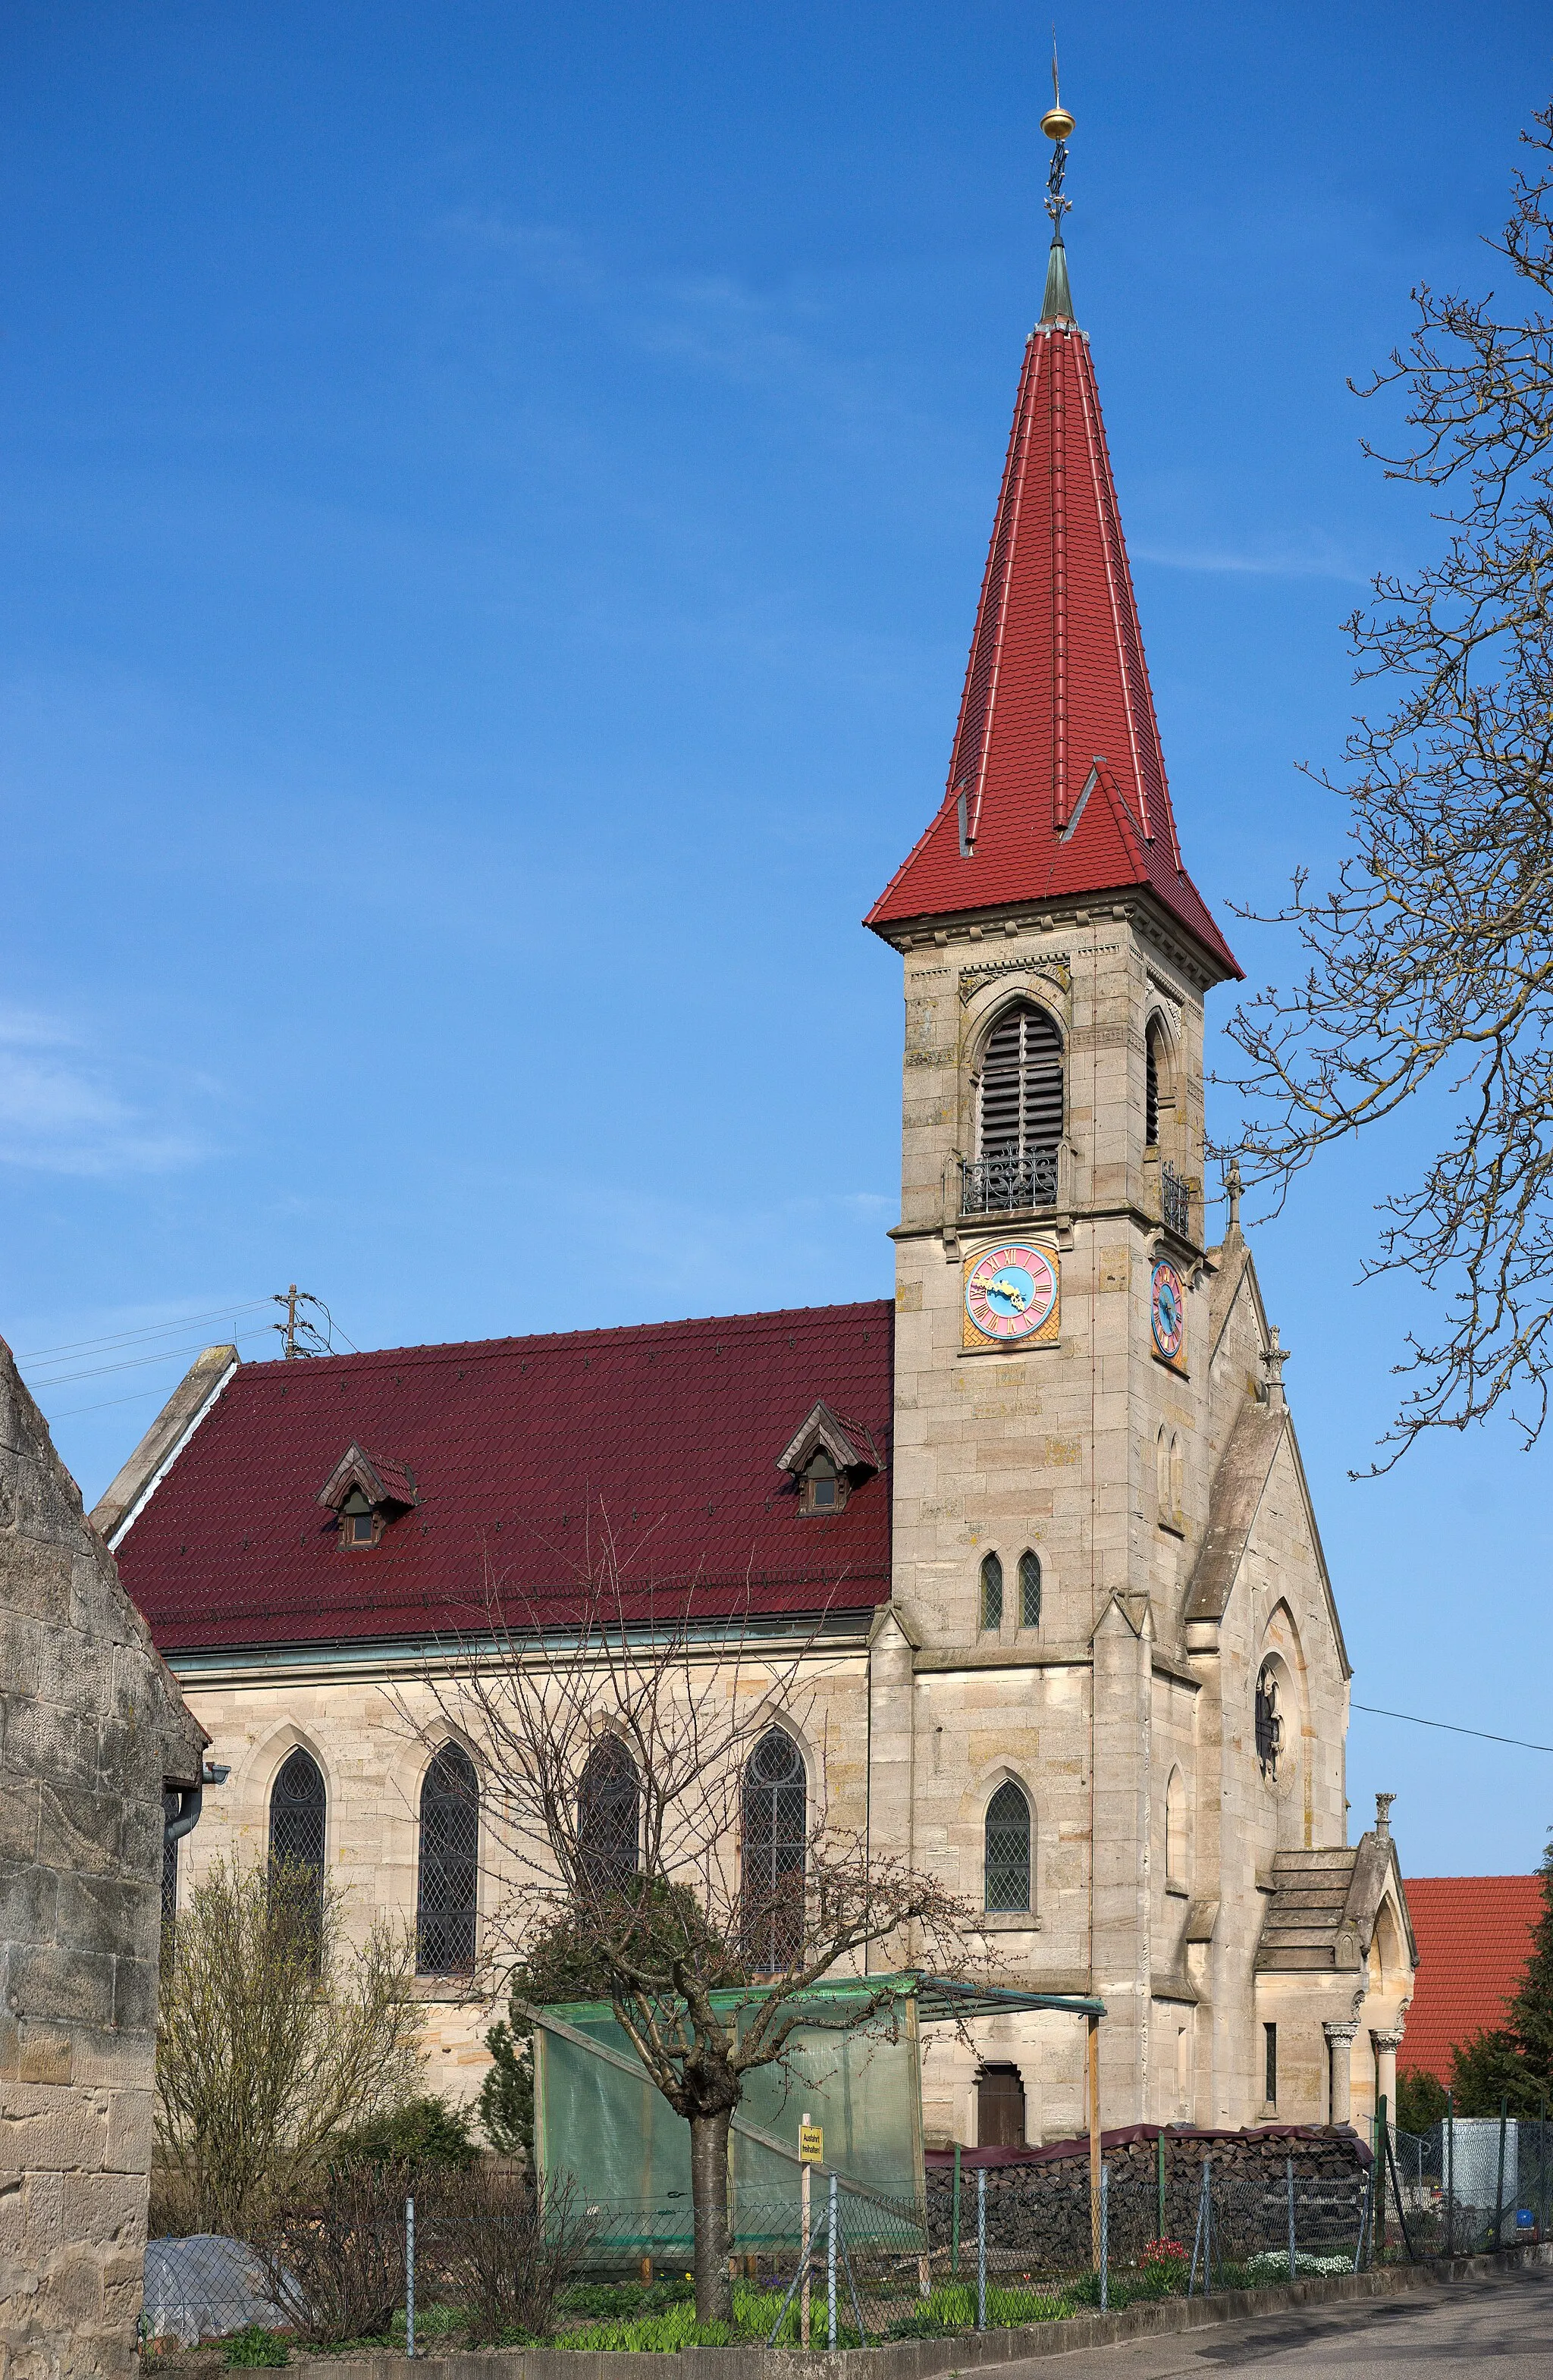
x=146, y=1330
x=1481, y=1733
x=136, y=1363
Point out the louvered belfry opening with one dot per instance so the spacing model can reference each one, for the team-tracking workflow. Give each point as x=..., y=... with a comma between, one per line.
x=1019, y=1124
x=449, y=1888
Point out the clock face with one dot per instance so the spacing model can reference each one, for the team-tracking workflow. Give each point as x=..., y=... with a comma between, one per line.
x=1009, y=1292
x=1169, y=1311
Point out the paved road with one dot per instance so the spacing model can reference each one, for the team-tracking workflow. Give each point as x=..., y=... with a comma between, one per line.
x=1506, y=2324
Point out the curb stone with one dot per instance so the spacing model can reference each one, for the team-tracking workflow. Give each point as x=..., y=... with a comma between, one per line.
x=924, y=2359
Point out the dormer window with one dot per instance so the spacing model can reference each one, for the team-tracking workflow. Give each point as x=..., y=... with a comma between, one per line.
x=828, y=1460
x=359, y=1526
x=820, y=1489
x=366, y=1493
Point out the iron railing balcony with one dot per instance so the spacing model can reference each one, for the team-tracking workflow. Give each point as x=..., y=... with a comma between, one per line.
x=1175, y=1202
x=1004, y=1182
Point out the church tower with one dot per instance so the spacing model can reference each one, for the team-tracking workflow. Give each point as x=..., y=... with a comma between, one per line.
x=1052, y=1459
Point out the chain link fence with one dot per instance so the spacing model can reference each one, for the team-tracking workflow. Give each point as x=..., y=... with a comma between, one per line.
x=984, y=2248
x=1470, y=2185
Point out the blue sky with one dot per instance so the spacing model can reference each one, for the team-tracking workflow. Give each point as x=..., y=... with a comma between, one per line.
x=496, y=497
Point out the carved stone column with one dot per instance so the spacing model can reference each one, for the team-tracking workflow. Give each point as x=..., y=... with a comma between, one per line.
x=1386, y=2047
x=1339, y=2044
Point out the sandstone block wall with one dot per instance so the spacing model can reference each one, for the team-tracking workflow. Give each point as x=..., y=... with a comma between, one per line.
x=91, y=1727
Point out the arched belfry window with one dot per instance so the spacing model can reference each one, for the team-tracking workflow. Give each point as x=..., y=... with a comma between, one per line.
x=1019, y=1124
x=775, y=1839
x=991, y=1595
x=608, y=1816
x=298, y=1819
x=1153, y=1053
x=445, y=1903
x=1006, y=1863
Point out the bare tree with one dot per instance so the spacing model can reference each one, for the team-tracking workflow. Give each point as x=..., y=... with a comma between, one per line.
x=274, y=2035
x=1431, y=960
x=623, y=1779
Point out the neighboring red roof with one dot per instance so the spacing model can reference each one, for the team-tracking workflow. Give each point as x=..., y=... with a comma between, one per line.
x=1057, y=695
x=1475, y=1936
x=524, y=1451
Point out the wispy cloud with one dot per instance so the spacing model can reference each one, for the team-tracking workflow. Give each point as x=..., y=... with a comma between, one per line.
x=61, y=1114
x=711, y=321
x=1316, y=559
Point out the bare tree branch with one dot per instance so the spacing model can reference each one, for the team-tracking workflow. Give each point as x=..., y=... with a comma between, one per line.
x=682, y=1915
x=1430, y=963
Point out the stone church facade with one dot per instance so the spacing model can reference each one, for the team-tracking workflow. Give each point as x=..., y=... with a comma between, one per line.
x=1081, y=1652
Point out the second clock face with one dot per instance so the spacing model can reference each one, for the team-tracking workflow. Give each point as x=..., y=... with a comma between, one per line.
x=1009, y=1292
x=1169, y=1311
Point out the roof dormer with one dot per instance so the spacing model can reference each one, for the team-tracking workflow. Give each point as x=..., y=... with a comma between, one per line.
x=366, y=1492
x=828, y=1458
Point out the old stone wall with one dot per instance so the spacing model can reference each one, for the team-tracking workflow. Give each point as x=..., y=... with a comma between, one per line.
x=91, y=1728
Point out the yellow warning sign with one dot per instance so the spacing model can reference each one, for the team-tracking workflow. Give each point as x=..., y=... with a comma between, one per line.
x=811, y=2144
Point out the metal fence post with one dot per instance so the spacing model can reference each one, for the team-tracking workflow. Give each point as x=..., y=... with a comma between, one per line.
x=1159, y=2184
x=981, y=2247
x=1450, y=2173
x=409, y=2277
x=1542, y=2172
x=1380, y=2173
x=831, y=2272
x=1207, y=2227
x=805, y=2225
x=1499, y=2186
x=1105, y=2236
x=954, y=2227
x=1293, y=2257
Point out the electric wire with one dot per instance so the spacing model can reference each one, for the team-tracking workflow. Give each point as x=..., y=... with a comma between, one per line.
x=145, y=1330
x=136, y=1363
x=1450, y=1728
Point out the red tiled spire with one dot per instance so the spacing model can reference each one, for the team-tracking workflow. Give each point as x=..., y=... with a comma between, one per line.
x=1057, y=782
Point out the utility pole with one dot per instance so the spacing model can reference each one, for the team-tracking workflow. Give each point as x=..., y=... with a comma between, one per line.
x=289, y=1326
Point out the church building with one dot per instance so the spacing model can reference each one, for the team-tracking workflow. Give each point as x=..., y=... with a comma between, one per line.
x=1045, y=1508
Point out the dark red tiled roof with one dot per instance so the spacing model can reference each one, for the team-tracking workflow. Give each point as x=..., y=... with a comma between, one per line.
x=1475, y=1936
x=525, y=1453
x=1056, y=683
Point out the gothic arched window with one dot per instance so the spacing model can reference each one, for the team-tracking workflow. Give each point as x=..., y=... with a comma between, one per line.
x=1006, y=1866
x=1020, y=1122
x=1029, y=1589
x=445, y=1903
x=608, y=1816
x=991, y=1595
x=1175, y=1828
x=775, y=1839
x=298, y=1814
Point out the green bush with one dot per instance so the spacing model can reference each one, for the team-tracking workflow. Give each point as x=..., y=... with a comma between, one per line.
x=256, y=2348
x=419, y=2132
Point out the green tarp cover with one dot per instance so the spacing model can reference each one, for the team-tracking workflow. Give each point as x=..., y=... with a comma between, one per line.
x=600, y=2120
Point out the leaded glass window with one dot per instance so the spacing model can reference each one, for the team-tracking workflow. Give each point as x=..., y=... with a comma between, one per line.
x=299, y=1811
x=991, y=1595
x=775, y=1840
x=1029, y=1590
x=445, y=1904
x=608, y=1816
x=1007, y=1863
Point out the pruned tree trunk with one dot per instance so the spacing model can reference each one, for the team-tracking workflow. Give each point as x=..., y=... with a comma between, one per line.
x=708, y=2194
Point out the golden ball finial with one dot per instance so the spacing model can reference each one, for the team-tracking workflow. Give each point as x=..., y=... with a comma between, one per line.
x=1057, y=123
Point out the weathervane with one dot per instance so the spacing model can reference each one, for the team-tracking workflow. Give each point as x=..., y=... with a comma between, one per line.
x=1057, y=123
